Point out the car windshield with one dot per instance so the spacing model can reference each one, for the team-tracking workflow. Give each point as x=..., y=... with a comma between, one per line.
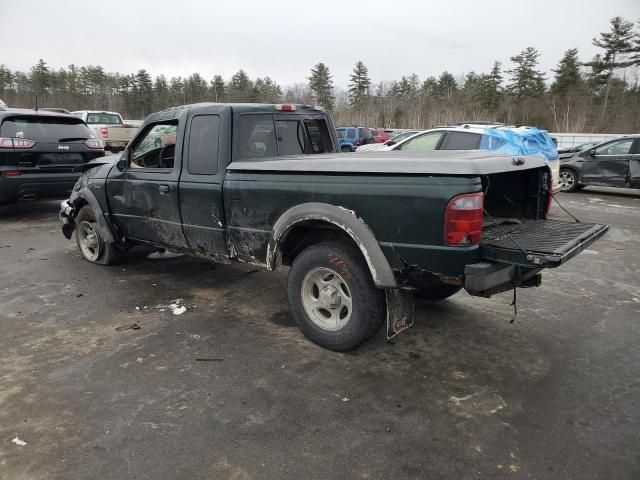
x=45, y=129
x=103, y=118
x=399, y=138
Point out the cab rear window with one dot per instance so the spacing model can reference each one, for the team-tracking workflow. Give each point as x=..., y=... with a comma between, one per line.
x=45, y=129
x=266, y=135
x=104, y=118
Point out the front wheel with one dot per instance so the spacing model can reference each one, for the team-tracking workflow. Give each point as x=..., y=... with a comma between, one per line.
x=333, y=298
x=90, y=242
x=345, y=149
x=568, y=180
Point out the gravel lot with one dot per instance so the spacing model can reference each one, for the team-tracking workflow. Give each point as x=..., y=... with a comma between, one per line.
x=231, y=388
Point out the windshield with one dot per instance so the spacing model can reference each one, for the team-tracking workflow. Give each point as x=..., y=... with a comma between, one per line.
x=584, y=146
x=399, y=138
x=45, y=129
x=106, y=118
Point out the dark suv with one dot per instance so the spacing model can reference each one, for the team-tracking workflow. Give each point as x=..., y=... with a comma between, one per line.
x=39, y=151
x=615, y=163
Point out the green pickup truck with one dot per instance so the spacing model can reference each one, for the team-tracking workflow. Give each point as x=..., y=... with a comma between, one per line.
x=363, y=235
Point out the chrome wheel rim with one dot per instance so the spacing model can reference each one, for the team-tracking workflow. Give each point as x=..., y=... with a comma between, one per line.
x=89, y=241
x=326, y=299
x=566, y=180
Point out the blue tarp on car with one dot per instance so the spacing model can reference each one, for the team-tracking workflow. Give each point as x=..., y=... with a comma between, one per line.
x=520, y=141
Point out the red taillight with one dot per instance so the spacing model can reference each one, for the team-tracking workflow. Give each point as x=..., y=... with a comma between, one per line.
x=463, y=219
x=286, y=107
x=19, y=143
x=104, y=131
x=12, y=173
x=94, y=143
x=357, y=142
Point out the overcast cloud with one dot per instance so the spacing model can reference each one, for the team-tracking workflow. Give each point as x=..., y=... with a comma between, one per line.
x=283, y=39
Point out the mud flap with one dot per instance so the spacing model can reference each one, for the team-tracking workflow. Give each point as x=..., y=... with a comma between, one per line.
x=399, y=311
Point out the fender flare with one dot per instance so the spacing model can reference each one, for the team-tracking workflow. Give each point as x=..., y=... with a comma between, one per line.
x=342, y=218
x=86, y=195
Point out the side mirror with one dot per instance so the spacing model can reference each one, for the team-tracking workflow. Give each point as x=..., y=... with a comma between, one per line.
x=122, y=163
x=592, y=152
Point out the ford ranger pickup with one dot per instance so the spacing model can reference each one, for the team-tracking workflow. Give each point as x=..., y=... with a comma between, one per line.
x=361, y=235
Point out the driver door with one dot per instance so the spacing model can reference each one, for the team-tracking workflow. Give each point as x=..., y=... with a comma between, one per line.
x=608, y=164
x=144, y=195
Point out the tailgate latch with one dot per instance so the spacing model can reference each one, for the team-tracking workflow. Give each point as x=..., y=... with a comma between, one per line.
x=535, y=259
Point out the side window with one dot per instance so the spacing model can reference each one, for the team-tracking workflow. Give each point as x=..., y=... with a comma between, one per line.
x=351, y=133
x=290, y=136
x=461, y=141
x=423, y=143
x=157, y=147
x=318, y=135
x=340, y=133
x=620, y=147
x=256, y=137
x=203, y=145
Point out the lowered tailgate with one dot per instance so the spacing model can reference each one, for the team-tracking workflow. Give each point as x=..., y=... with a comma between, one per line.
x=537, y=243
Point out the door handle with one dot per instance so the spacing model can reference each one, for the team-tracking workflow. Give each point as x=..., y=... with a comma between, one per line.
x=164, y=189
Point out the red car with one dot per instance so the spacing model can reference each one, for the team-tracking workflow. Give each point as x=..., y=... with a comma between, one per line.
x=380, y=135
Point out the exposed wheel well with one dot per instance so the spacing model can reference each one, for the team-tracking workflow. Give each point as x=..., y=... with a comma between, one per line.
x=307, y=233
x=569, y=168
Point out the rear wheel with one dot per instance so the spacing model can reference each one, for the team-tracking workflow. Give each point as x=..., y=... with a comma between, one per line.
x=333, y=298
x=90, y=242
x=437, y=292
x=568, y=180
x=345, y=149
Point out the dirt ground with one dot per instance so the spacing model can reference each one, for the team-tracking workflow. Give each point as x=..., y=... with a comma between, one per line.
x=232, y=390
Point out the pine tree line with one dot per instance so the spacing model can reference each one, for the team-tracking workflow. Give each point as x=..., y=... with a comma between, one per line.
x=602, y=94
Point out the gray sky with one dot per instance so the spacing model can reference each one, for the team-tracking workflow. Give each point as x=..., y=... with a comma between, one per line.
x=283, y=39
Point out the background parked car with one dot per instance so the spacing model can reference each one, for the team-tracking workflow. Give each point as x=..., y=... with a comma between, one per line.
x=38, y=152
x=464, y=136
x=389, y=143
x=352, y=137
x=614, y=163
x=109, y=127
x=381, y=135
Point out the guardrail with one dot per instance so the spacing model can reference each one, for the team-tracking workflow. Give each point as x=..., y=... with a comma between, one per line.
x=567, y=140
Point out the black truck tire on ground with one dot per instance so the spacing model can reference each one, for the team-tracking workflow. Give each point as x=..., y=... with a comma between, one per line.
x=333, y=298
x=94, y=250
x=345, y=149
x=438, y=292
x=571, y=181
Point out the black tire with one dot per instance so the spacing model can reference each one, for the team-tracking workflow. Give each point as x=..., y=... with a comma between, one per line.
x=105, y=253
x=437, y=292
x=568, y=180
x=367, y=308
x=345, y=149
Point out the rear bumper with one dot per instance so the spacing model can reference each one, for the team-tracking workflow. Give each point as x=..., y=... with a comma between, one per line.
x=56, y=185
x=488, y=278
